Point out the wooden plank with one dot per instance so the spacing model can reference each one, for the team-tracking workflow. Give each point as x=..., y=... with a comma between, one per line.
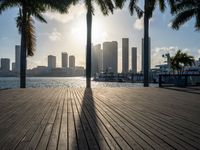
x=78, y=118
x=102, y=118
x=94, y=124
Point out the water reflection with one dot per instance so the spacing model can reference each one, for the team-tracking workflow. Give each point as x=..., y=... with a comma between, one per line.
x=53, y=82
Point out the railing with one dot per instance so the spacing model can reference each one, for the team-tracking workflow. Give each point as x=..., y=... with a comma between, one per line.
x=182, y=80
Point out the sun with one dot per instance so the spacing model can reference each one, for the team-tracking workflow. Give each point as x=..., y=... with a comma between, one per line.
x=79, y=32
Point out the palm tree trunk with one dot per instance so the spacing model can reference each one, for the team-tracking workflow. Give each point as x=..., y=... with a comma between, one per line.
x=88, y=50
x=23, y=51
x=146, y=46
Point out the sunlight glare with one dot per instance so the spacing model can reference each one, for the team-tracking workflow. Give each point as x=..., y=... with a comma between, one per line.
x=79, y=32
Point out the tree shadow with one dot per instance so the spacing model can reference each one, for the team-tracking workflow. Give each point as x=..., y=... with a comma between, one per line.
x=87, y=131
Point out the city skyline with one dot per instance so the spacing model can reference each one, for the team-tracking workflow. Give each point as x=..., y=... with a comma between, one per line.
x=63, y=31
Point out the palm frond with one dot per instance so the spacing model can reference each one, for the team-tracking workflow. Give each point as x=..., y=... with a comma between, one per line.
x=182, y=17
x=6, y=4
x=102, y=6
x=119, y=3
x=162, y=5
x=134, y=7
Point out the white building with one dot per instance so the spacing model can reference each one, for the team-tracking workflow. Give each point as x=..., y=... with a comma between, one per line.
x=134, y=60
x=64, y=60
x=125, y=55
x=110, y=56
x=51, y=62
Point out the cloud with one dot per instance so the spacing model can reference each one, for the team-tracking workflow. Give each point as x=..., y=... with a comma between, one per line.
x=55, y=35
x=169, y=24
x=74, y=12
x=156, y=54
x=139, y=24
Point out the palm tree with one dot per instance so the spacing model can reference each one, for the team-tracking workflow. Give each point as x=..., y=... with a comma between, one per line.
x=184, y=11
x=181, y=60
x=25, y=23
x=149, y=6
x=106, y=6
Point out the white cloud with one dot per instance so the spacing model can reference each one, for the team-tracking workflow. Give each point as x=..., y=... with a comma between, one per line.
x=156, y=54
x=139, y=24
x=55, y=35
x=74, y=12
x=169, y=25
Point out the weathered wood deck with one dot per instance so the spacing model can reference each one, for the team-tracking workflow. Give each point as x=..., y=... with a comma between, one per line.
x=105, y=118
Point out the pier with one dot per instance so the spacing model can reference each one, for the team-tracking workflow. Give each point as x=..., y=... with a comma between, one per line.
x=100, y=118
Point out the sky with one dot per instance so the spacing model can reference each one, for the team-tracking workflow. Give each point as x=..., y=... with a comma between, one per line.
x=67, y=33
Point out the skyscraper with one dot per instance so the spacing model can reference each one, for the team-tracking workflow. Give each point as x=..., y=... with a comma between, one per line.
x=110, y=56
x=125, y=56
x=13, y=66
x=17, y=57
x=64, y=60
x=97, y=59
x=72, y=61
x=5, y=64
x=142, y=66
x=134, y=60
x=51, y=62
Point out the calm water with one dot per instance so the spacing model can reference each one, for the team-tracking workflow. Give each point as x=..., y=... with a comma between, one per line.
x=52, y=82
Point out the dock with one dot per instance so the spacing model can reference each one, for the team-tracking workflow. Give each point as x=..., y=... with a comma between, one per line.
x=99, y=118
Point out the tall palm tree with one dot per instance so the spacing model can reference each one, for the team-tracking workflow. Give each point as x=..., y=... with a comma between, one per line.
x=106, y=7
x=25, y=23
x=184, y=11
x=147, y=12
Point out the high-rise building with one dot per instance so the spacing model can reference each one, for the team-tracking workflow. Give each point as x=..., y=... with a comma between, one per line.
x=13, y=66
x=64, y=60
x=51, y=62
x=110, y=57
x=17, y=57
x=72, y=61
x=134, y=60
x=97, y=59
x=142, y=66
x=5, y=64
x=125, y=56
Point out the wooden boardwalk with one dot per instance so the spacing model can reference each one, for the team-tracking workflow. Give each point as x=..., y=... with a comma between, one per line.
x=101, y=118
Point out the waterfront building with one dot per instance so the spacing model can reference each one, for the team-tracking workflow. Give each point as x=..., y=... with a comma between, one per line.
x=5, y=64
x=149, y=52
x=125, y=55
x=13, y=66
x=72, y=61
x=97, y=59
x=17, y=58
x=64, y=60
x=110, y=57
x=51, y=62
x=134, y=60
